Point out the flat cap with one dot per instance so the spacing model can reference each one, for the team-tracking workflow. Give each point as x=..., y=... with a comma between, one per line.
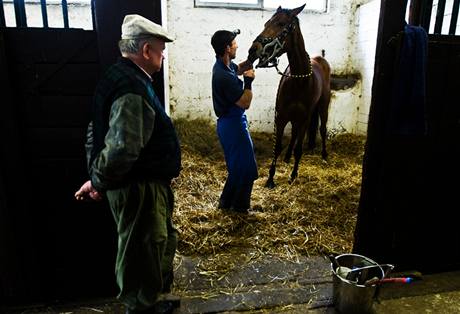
x=136, y=26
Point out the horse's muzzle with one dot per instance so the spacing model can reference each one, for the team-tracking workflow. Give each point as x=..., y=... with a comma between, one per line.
x=254, y=51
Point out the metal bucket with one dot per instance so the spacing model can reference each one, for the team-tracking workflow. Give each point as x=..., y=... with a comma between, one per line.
x=353, y=296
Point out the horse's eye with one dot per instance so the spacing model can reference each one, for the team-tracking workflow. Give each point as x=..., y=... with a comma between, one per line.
x=281, y=24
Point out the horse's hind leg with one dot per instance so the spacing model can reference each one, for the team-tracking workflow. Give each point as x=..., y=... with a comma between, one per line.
x=323, y=113
x=313, y=129
x=278, y=134
x=294, y=132
x=298, y=152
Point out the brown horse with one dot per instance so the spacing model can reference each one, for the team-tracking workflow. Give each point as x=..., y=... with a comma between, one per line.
x=304, y=90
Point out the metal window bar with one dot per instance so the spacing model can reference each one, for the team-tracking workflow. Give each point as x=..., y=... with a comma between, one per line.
x=44, y=13
x=425, y=20
x=439, y=16
x=2, y=15
x=454, y=17
x=65, y=13
x=20, y=13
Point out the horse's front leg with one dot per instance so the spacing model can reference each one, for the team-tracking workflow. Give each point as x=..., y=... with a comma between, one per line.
x=294, y=132
x=298, y=152
x=278, y=134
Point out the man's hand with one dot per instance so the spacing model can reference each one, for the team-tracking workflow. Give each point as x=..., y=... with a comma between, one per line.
x=250, y=73
x=244, y=66
x=87, y=192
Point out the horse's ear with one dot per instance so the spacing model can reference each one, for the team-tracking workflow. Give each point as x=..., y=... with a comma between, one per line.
x=279, y=9
x=296, y=11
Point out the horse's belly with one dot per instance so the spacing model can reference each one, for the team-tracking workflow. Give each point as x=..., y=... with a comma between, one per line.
x=297, y=110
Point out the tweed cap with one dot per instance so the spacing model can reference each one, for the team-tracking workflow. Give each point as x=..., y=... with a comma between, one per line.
x=135, y=26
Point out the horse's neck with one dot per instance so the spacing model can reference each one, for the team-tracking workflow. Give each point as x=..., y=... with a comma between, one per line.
x=299, y=60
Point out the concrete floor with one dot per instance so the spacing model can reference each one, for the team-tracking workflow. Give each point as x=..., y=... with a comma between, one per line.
x=274, y=285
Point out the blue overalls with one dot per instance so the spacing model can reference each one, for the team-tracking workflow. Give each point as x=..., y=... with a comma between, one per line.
x=232, y=129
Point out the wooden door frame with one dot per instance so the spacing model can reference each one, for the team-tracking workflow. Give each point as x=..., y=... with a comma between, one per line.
x=108, y=17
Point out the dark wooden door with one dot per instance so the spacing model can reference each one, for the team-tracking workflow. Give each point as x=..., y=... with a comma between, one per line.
x=52, y=247
x=57, y=248
x=408, y=210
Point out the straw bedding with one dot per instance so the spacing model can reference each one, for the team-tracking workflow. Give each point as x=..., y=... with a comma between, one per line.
x=316, y=214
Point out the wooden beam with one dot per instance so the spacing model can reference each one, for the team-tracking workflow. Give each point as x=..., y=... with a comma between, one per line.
x=109, y=16
x=2, y=15
x=415, y=12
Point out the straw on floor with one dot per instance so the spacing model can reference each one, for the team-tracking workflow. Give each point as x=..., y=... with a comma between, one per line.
x=316, y=214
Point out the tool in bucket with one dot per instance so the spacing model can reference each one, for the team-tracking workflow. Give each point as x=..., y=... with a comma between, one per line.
x=376, y=281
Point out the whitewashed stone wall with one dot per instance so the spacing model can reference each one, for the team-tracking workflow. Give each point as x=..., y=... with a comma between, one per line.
x=367, y=20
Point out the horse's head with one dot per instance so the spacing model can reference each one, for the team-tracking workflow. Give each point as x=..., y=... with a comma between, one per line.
x=270, y=44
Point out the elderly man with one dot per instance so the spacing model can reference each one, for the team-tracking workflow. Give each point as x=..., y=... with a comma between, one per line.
x=133, y=153
x=231, y=98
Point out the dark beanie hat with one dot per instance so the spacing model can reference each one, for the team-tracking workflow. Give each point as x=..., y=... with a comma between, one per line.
x=221, y=39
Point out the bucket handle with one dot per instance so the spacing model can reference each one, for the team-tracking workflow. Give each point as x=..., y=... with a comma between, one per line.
x=388, y=266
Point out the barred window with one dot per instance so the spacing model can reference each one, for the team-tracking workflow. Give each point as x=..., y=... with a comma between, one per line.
x=311, y=5
x=47, y=13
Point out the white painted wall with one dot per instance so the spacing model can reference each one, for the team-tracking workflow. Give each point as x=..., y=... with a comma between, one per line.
x=191, y=58
x=367, y=19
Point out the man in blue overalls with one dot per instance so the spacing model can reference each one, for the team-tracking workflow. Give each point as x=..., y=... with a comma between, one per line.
x=231, y=97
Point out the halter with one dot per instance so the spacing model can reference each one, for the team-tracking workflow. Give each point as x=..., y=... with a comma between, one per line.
x=278, y=43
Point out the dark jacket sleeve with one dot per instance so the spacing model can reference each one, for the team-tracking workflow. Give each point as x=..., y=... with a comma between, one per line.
x=131, y=124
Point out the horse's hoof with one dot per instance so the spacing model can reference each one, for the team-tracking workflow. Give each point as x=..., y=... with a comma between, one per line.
x=287, y=159
x=291, y=180
x=270, y=184
x=324, y=156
